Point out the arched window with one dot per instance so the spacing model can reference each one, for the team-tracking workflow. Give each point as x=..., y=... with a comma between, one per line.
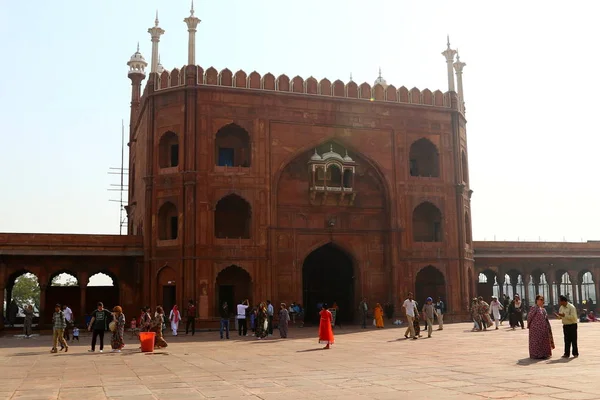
x=427, y=223
x=566, y=287
x=544, y=288
x=465, y=168
x=232, y=217
x=482, y=278
x=347, y=178
x=424, y=159
x=232, y=147
x=588, y=289
x=168, y=150
x=168, y=222
x=334, y=176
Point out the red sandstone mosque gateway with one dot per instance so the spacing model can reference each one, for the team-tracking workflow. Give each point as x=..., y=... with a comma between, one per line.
x=253, y=186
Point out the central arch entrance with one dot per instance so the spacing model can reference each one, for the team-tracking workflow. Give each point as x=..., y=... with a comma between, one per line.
x=328, y=276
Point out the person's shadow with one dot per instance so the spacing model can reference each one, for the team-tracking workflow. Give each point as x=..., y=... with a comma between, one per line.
x=530, y=361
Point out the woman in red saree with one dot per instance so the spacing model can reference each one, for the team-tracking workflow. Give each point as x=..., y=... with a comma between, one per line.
x=325, y=331
x=541, y=341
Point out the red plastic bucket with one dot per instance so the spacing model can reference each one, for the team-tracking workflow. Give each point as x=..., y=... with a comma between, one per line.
x=147, y=341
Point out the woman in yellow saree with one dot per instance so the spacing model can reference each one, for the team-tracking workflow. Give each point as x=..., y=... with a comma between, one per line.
x=378, y=314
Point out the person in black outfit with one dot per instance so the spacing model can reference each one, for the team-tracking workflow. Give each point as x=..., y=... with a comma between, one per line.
x=191, y=318
x=98, y=324
x=224, y=312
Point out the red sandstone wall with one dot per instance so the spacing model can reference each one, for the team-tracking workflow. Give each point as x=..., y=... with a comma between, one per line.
x=283, y=127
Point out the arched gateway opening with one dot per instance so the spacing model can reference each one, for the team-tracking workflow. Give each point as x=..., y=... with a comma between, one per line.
x=431, y=283
x=234, y=285
x=328, y=276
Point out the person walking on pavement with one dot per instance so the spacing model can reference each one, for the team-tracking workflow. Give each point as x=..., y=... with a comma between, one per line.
x=429, y=311
x=191, y=318
x=270, y=314
x=410, y=308
x=440, y=310
x=363, y=307
x=58, y=330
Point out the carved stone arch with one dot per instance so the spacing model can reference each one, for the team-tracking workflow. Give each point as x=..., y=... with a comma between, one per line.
x=283, y=83
x=311, y=86
x=325, y=87
x=365, y=91
x=240, y=80
x=225, y=77
x=222, y=266
x=254, y=80
x=211, y=76
x=61, y=271
x=352, y=90
x=374, y=166
x=297, y=85
x=268, y=81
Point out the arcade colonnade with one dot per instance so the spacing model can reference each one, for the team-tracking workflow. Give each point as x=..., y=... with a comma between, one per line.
x=580, y=283
x=76, y=270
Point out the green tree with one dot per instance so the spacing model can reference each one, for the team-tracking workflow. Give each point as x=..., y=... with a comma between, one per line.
x=64, y=280
x=26, y=291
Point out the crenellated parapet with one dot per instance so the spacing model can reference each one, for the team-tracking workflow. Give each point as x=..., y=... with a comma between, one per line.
x=298, y=85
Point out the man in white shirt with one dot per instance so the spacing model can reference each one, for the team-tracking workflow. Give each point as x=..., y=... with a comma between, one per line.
x=410, y=309
x=241, y=317
x=68, y=319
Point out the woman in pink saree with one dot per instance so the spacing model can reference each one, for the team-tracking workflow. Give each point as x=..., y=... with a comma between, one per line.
x=541, y=341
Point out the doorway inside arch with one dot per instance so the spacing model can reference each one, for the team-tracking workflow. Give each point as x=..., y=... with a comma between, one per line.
x=430, y=282
x=328, y=277
x=234, y=285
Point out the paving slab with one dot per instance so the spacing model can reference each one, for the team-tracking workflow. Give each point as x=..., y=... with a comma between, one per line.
x=363, y=364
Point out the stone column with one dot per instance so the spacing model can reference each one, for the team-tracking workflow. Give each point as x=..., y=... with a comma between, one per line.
x=458, y=66
x=449, y=54
x=155, y=34
x=526, y=282
x=42, y=309
x=192, y=22
x=2, y=308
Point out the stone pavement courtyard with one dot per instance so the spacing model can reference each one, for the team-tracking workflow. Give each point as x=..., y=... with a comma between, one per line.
x=363, y=364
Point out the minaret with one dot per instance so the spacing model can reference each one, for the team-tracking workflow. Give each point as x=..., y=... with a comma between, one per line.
x=458, y=66
x=155, y=33
x=449, y=54
x=192, y=22
x=137, y=73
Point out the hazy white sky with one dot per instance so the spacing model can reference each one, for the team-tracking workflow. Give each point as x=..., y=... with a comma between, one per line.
x=530, y=87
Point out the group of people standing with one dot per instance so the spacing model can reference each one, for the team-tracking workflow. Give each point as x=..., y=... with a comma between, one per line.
x=259, y=319
x=429, y=310
x=102, y=320
x=481, y=312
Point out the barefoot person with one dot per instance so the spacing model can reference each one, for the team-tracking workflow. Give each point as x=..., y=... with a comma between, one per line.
x=325, y=331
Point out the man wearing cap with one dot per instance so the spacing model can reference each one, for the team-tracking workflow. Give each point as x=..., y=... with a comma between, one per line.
x=429, y=311
x=568, y=314
x=495, y=308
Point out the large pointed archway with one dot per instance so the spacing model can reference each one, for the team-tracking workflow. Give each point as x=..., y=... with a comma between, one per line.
x=328, y=277
x=430, y=282
x=233, y=285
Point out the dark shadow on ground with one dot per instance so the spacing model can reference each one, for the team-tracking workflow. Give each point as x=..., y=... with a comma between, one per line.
x=530, y=361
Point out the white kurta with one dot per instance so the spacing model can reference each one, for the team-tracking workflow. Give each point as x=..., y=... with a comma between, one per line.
x=175, y=316
x=495, y=308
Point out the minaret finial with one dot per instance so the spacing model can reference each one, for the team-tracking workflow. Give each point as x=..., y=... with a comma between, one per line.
x=331, y=147
x=448, y=38
x=156, y=19
x=457, y=55
x=138, y=47
x=350, y=76
x=192, y=9
x=380, y=72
